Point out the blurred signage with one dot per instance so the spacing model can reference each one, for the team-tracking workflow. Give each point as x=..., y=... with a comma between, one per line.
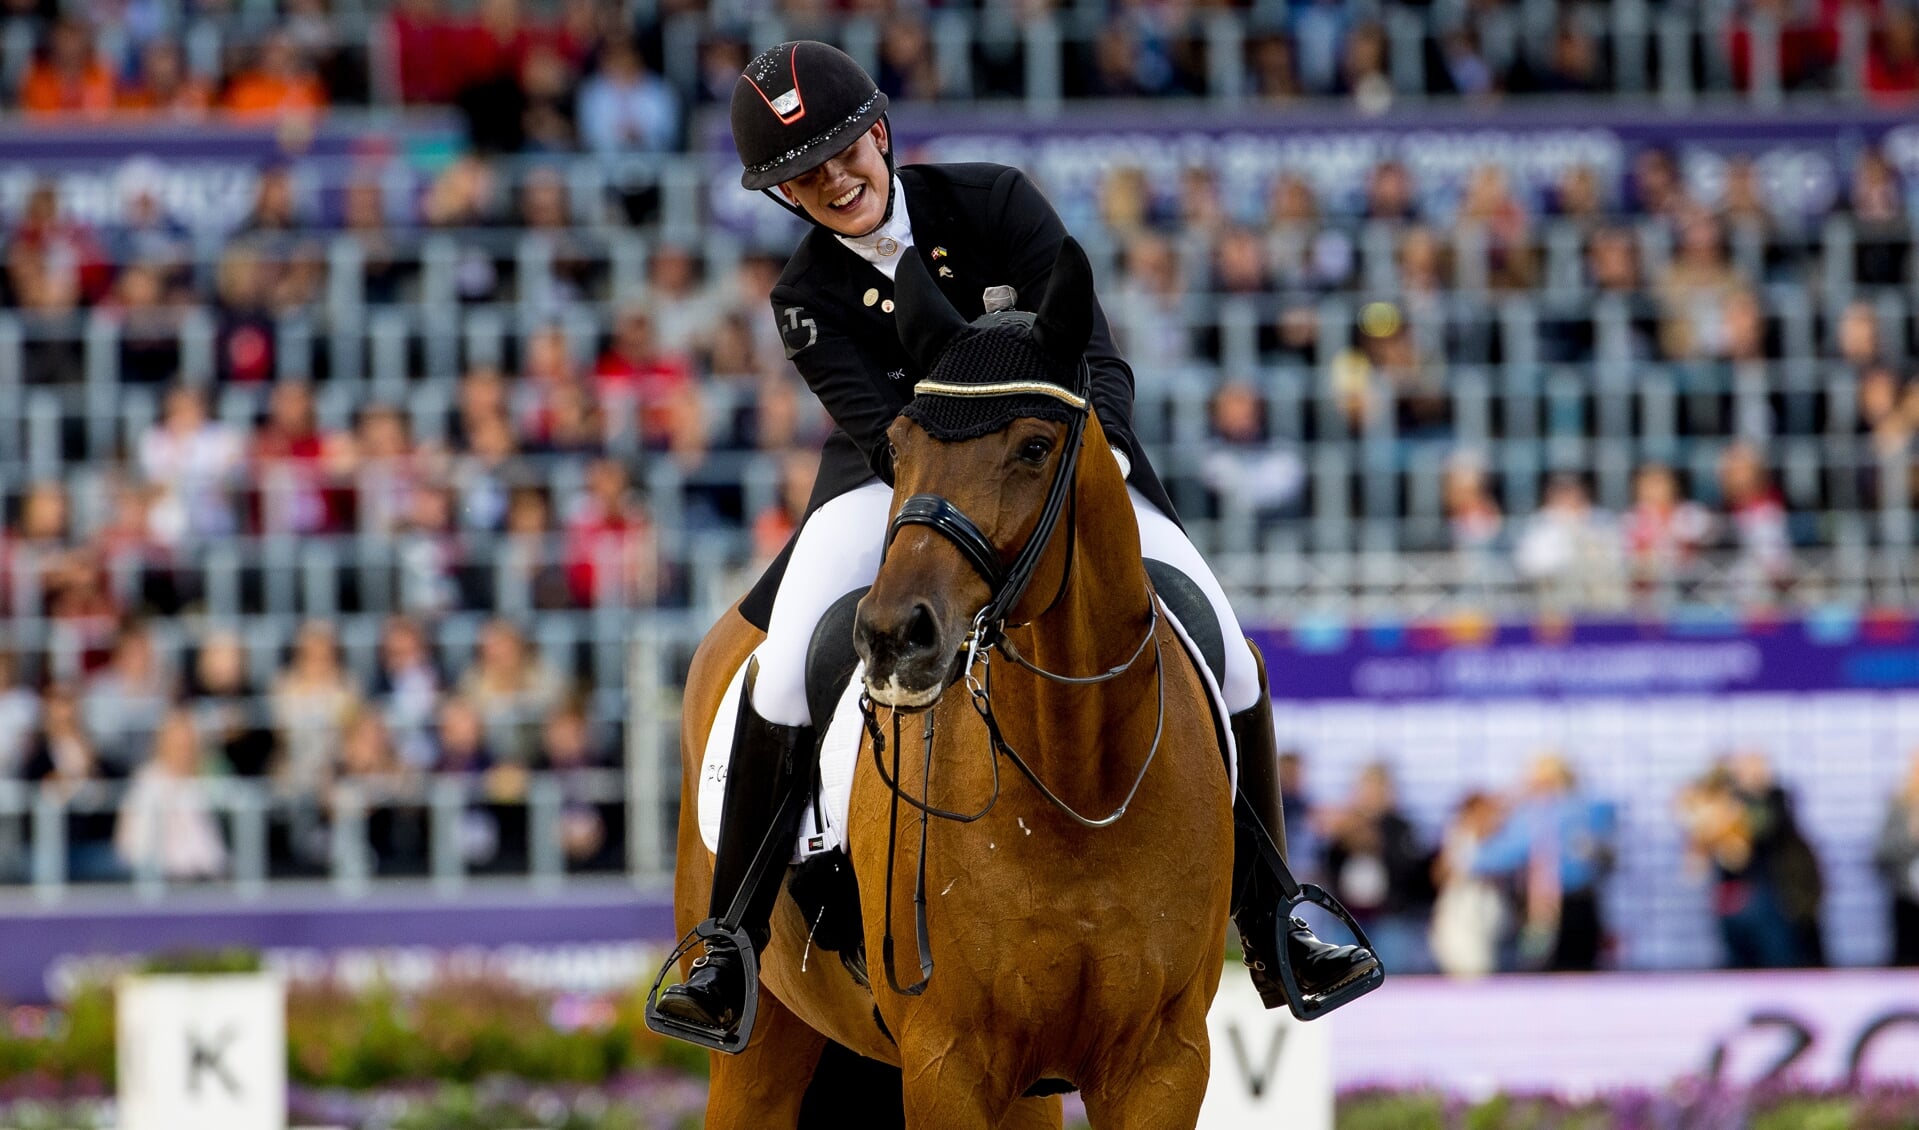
x=1580, y=1036
x=1803, y=160
x=1474, y=659
x=1268, y=1069
x=202, y=1052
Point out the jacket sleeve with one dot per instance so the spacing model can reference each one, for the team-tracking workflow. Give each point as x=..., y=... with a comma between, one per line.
x=838, y=374
x=1024, y=219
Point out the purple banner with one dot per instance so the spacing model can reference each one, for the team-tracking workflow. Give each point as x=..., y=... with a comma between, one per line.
x=1473, y=659
x=1803, y=159
x=44, y=950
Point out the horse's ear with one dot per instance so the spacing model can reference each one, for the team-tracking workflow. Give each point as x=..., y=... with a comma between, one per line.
x=1065, y=322
x=927, y=322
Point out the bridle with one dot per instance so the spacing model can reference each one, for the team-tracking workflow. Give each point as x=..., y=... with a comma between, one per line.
x=1008, y=585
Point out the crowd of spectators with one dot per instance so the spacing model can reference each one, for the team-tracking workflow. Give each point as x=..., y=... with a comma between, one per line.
x=133, y=747
x=1515, y=880
x=584, y=74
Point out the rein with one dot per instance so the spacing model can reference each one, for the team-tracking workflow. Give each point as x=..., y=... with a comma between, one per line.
x=1008, y=585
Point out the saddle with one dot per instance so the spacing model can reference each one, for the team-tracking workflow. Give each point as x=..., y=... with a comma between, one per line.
x=832, y=696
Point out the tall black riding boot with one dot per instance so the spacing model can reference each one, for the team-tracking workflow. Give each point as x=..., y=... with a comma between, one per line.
x=1320, y=967
x=768, y=761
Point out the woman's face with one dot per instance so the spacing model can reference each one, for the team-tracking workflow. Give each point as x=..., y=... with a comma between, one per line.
x=848, y=193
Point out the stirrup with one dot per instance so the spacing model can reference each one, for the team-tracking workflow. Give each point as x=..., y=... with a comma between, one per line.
x=1311, y=1007
x=713, y=1038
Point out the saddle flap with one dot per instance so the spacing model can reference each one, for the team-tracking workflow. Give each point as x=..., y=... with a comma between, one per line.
x=1188, y=604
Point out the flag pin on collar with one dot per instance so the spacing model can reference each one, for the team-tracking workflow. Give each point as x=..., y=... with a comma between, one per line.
x=939, y=253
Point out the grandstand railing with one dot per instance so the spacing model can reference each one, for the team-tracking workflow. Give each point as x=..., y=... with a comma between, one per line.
x=35, y=841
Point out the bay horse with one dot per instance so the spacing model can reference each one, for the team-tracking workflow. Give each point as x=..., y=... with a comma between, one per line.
x=1065, y=950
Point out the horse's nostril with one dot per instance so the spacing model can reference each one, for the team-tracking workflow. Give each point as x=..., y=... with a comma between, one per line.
x=922, y=631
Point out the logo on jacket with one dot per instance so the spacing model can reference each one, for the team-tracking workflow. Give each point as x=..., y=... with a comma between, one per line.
x=797, y=330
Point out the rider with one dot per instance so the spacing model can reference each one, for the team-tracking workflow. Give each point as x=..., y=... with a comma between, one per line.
x=809, y=122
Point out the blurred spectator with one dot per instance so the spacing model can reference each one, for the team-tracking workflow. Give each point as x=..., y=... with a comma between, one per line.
x=430, y=551
x=280, y=83
x=775, y=525
x=1694, y=289
x=197, y=461
x=125, y=702
x=1125, y=201
x=19, y=716
x=1390, y=194
x=1570, y=65
x=612, y=548
x=149, y=331
x=1571, y=551
x=1473, y=515
x=486, y=473
x=1362, y=71
x=1892, y=66
x=1880, y=227
x=1242, y=466
x=1275, y=75
x=1456, y=65
x=1296, y=808
x=1557, y=847
x=365, y=222
x=226, y=711
x=1492, y=210
x=244, y=339
x=626, y=108
x=396, y=824
x=586, y=823
x=463, y=751
x=1766, y=884
x=61, y=759
x=1470, y=916
x=636, y=373
x=70, y=78
x=1756, y=517
x=513, y=688
x=529, y=562
x=164, y=86
x=1149, y=312
x=1664, y=530
x=549, y=119
x=426, y=58
x=295, y=467
x=386, y=467
x=1897, y=857
x=1375, y=865
x=684, y=309
x=407, y=686
x=55, y=263
x=1656, y=187
x=311, y=702
x=166, y=824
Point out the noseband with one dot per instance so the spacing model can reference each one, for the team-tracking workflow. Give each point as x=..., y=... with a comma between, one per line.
x=1008, y=583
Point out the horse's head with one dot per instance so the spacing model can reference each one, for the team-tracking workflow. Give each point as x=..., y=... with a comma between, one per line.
x=982, y=459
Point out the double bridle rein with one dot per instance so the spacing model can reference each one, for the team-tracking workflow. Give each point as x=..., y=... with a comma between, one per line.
x=1008, y=585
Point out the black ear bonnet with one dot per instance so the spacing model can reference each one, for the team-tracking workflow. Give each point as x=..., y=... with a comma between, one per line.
x=997, y=354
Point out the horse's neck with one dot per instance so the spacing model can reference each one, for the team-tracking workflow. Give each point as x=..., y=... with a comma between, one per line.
x=1103, y=613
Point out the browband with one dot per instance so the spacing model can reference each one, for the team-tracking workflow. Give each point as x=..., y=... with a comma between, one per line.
x=1003, y=388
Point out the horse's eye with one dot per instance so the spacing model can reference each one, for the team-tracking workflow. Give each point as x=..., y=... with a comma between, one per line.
x=1035, y=450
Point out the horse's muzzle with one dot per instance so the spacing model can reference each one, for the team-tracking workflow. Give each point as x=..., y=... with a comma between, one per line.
x=909, y=661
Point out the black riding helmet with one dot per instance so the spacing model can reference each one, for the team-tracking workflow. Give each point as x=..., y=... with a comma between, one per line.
x=796, y=107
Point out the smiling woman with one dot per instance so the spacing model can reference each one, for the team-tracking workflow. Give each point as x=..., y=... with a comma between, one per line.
x=972, y=238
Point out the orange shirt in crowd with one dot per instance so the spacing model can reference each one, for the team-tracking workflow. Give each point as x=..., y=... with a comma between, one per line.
x=47, y=91
x=255, y=94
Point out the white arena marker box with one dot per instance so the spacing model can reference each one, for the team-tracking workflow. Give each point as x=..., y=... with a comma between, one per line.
x=1269, y=1070
x=207, y=1052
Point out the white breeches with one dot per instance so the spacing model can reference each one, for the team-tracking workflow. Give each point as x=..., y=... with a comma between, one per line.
x=839, y=551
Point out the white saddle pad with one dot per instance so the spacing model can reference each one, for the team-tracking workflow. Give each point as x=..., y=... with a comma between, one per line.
x=823, y=827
